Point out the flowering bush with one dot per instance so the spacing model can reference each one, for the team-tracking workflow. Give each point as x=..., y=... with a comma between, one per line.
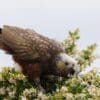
x=15, y=86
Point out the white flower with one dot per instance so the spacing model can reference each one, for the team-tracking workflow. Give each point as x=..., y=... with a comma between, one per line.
x=12, y=94
x=64, y=89
x=2, y=91
x=27, y=93
x=12, y=81
x=1, y=78
x=92, y=90
x=23, y=98
x=69, y=96
x=42, y=96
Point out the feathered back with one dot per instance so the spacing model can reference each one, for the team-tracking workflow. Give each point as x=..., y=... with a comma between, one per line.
x=29, y=45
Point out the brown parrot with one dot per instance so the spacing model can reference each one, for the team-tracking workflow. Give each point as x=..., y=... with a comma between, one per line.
x=37, y=55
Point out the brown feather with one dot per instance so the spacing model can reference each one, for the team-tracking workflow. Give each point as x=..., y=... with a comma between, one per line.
x=33, y=52
x=29, y=45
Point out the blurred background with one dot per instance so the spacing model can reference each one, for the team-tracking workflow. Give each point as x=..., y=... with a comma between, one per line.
x=53, y=18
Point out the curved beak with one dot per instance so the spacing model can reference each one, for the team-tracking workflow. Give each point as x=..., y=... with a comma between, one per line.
x=76, y=69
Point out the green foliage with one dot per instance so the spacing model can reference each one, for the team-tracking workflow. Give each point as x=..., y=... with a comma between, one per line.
x=15, y=86
x=70, y=42
x=12, y=84
x=76, y=87
x=84, y=57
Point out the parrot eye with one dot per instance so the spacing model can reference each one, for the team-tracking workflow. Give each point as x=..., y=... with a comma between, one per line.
x=66, y=63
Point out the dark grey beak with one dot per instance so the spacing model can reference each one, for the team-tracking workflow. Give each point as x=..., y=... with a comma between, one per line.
x=74, y=70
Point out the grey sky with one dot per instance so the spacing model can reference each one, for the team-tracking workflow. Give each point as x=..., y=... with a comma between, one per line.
x=53, y=18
